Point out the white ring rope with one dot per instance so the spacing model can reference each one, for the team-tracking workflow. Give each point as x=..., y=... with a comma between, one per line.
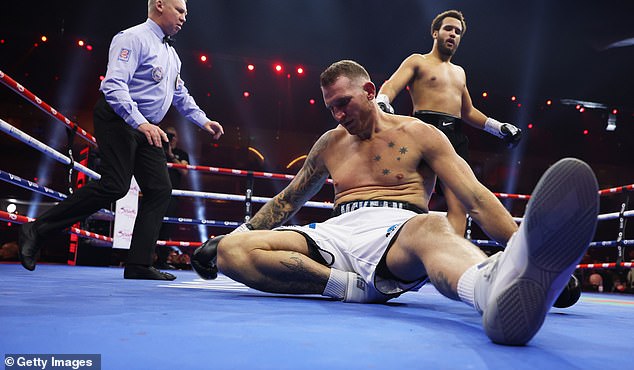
x=36, y=144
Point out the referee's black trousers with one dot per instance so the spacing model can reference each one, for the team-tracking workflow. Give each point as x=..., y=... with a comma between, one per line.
x=124, y=152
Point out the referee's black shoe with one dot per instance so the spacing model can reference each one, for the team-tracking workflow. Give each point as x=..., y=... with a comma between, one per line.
x=143, y=272
x=27, y=245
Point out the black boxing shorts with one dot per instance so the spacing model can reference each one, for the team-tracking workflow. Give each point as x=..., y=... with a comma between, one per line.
x=451, y=126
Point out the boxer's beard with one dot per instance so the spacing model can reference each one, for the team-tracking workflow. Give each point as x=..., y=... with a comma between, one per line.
x=444, y=50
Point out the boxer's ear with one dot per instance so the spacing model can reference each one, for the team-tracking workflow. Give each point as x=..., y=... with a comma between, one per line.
x=370, y=89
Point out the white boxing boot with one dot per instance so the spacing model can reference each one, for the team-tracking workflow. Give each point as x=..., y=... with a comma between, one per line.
x=516, y=288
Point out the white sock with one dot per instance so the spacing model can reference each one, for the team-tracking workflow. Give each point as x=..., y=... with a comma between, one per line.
x=466, y=286
x=474, y=284
x=336, y=286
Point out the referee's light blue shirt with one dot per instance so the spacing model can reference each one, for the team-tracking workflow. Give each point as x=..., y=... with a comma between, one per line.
x=143, y=78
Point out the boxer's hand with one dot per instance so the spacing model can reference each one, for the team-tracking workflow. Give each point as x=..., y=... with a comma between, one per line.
x=245, y=227
x=512, y=135
x=509, y=133
x=384, y=103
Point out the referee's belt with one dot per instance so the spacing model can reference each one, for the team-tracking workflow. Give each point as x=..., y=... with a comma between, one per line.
x=346, y=207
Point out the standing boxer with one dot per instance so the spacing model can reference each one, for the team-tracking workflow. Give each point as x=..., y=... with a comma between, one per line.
x=439, y=93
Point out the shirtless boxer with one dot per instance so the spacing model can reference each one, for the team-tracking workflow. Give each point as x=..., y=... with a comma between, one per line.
x=384, y=242
x=440, y=97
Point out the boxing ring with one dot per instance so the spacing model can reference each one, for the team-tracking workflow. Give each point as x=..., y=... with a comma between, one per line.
x=192, y=323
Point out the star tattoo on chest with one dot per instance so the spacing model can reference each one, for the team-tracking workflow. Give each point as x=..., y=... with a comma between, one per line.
x=402, y=151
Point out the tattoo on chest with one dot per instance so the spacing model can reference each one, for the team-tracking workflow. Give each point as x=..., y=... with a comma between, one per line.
x=401, y=152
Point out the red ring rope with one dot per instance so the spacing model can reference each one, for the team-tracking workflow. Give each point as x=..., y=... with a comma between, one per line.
x=28, y=95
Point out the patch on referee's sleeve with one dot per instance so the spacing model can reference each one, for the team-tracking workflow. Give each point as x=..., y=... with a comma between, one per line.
x=124, y=55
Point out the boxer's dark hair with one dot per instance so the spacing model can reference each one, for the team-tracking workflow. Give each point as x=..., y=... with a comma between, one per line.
x=437, y=22
x=348, y=68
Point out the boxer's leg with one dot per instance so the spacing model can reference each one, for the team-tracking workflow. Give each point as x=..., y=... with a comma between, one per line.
x=516, y=288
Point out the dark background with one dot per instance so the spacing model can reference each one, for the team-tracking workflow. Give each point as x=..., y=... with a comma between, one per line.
x=533, y=50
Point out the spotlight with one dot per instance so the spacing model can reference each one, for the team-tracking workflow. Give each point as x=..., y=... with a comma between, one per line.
x=81, y=43
x=278, y=68
x=250, y=67
x=11, y=208
x=44, y=38
x=246, y=94
x=549, y=102
x=485, y=94
x=300, y=70
x=203, y=58
x=312, y=101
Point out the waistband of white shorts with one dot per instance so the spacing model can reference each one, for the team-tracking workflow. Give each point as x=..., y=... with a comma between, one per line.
x=357, y=204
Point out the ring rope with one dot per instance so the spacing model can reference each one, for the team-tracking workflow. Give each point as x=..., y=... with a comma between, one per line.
x=11, y=217
x=619, y=189
x=239, y=198
x=606, y=243
x=279, y=176
x=611, y=243
x=16, y=180
x=512, y=196
x=236, y=172
x=35, y=187
x=36, y=144
x=28, y=95
x=191, y=221
x=606, y=265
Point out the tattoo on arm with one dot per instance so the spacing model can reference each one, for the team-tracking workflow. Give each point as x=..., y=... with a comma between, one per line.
x=310, y=178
